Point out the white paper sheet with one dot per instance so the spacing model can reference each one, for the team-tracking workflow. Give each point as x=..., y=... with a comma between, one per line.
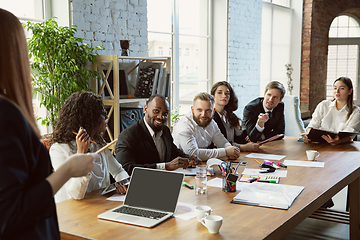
x=304, y=163
x=277, y=173
x=117, y=197
x=185, y=211
x=217, y=182
x=188, y=171
x=265, y=156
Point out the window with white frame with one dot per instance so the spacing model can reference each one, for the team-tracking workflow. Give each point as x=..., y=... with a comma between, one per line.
x=174, y=25
x=160, y=51
x=343, y=53
x=28, y=10
x=275, y=41
x=285, y=3
x=34, y=11
x=187, y=52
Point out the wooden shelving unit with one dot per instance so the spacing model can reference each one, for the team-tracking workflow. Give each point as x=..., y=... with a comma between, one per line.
x=112, y=62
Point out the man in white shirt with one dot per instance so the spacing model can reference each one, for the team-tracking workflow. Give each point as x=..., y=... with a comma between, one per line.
x=195, y=132
x=148, y=142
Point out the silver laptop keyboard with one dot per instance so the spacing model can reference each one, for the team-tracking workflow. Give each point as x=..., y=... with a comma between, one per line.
x=140, y=212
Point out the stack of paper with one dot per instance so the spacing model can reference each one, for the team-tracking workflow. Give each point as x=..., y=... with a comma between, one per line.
x=268, y=195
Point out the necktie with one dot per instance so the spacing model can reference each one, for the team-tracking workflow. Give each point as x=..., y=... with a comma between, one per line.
x=269, y=114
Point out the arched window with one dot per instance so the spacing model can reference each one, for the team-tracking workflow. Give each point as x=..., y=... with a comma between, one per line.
x=343, y=53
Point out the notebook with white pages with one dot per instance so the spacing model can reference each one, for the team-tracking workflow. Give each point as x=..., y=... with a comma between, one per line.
x=268, y=195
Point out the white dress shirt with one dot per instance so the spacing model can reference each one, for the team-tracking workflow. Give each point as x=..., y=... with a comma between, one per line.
x=98, y=177
x=327, y=117
x=159, y=143
x=194, y=140
x=230, y=131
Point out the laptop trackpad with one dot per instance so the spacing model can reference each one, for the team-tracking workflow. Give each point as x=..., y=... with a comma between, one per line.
x=128, y=218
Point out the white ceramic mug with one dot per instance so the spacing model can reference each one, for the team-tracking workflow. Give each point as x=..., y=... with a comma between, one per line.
x=212, y=223
x=312, y=155
x=201, y=211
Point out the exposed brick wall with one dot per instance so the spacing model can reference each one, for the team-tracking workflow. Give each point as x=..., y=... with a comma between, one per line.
x=106, y=22
x=317, y=18
x=244, y=48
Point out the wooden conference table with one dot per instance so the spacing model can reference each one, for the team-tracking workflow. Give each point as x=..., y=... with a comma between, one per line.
x=78, y=218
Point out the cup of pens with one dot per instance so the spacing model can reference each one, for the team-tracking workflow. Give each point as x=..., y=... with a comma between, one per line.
x=229, y=177
x=227, y=185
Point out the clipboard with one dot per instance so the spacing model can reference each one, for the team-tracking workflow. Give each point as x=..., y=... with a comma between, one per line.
x=272, y=138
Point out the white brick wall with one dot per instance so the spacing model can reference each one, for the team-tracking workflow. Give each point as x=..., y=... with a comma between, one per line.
x=106, y=22
x=244, y=49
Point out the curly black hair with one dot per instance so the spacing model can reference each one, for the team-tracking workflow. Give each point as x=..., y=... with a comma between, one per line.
x=231, y=106
x=81, y=109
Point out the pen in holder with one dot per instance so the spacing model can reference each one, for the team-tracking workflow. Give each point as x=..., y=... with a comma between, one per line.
x=229, y=182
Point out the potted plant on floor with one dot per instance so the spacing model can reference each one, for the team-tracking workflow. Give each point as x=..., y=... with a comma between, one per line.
x=59, y=64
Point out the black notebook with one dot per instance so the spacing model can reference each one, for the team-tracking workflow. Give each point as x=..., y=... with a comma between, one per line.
x=315, y=134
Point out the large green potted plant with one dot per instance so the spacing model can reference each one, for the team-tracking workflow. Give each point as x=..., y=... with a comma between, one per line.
x=59, y=64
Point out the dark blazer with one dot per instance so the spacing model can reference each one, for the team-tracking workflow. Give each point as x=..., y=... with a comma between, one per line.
x=27, y=207
x=136, y=148
x=275, y=125
x=237, y=139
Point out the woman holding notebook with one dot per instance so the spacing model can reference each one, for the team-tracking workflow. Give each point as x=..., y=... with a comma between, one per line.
x=338, y=114
x=81, y=120
x=27, y=182
x=226, y=102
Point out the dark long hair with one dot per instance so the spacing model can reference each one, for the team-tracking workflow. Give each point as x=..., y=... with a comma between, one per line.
x=349, y=100
x=232, y=104
x=81, y=109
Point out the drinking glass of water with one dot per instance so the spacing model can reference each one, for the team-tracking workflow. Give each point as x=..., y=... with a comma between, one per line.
x=200, y=179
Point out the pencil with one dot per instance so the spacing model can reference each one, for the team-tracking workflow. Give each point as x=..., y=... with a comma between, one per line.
x=258, y=162
x=105, y=147
x=90, y=139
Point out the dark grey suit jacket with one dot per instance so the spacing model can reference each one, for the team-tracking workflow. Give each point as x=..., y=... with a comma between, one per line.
x=275, y=125
x=136, y=148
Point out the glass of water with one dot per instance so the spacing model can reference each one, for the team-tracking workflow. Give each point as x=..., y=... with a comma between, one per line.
x=200, y=179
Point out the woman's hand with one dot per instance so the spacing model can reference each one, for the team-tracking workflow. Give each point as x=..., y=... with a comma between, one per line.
x=121, y=189
x=81, y=164
x=82, y=141
x=76, y=166
x=306, y=139
x=331, y=140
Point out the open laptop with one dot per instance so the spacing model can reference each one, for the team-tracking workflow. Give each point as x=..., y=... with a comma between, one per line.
x=151, y=192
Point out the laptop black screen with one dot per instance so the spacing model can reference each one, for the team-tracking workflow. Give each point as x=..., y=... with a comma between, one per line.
x=154, y=189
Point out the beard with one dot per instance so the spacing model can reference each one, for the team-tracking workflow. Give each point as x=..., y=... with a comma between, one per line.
x=151, y=122
x=202, y=123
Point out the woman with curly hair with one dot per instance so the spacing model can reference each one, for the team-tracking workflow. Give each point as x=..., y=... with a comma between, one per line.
x=84, y=113
x=226, y=102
